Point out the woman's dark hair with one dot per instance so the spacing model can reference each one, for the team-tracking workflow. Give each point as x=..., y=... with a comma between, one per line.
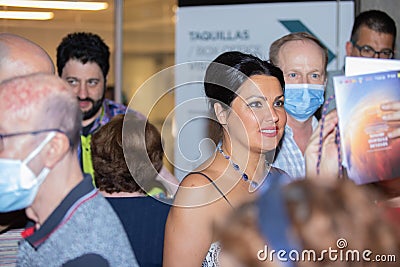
x=230, y=70
x=226, y=74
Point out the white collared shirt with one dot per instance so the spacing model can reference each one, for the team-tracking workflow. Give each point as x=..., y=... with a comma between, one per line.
x=289, y=156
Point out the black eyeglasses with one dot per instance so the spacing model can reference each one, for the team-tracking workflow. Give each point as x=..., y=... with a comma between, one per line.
x=367, y=51
x=3, y=136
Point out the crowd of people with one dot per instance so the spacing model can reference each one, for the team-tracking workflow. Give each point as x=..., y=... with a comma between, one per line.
x=83, y=183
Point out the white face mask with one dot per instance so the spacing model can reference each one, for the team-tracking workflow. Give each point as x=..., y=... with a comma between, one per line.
x=18, y=184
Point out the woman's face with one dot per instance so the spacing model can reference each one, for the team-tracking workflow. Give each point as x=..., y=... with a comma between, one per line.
x=257, y=117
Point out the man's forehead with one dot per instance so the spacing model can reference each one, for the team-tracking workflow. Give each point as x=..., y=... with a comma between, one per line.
x=371, y=37
x=76, y=66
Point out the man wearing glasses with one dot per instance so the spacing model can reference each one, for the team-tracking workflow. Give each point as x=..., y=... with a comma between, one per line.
x=19, y=56
x=40, y=122
x=368, y=51
x=373, y=36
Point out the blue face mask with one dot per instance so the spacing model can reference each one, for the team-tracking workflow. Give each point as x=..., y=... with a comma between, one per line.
x=303, y=100
x=18, y=184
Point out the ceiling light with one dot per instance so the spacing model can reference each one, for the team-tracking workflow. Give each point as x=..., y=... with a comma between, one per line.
x=26, y=15
x=74, y=5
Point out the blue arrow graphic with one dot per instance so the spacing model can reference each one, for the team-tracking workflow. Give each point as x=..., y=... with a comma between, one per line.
x=298, y=26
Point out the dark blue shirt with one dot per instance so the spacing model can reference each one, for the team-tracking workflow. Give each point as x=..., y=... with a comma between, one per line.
x=144, y=221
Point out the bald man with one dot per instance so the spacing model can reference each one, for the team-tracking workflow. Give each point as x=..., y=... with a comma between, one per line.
x=40, y=121
x=18, y=56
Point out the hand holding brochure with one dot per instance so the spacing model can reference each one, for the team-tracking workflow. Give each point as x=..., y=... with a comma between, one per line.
x=368, y=154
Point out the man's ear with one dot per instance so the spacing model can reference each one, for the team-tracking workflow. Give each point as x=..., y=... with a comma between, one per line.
x=56, y=149
x=221, y=113
x=349, y=48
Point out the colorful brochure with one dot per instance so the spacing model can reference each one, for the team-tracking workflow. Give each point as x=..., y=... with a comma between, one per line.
x=368, y=154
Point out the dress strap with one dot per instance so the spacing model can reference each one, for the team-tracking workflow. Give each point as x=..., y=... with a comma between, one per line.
x=215, y=185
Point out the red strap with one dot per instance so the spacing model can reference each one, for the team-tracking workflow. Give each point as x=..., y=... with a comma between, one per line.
x=28, y=232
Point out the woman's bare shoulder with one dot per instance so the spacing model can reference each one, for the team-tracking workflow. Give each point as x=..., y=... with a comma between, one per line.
x=197, y=178
x=198, y=189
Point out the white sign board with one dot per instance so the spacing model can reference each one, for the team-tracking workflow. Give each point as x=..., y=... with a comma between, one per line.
x=204, y=32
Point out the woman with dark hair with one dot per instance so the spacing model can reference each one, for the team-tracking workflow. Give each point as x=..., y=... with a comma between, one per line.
x=246, y=97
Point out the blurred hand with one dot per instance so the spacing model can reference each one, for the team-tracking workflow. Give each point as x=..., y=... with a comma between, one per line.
x=393, y=116
x=329, y=170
